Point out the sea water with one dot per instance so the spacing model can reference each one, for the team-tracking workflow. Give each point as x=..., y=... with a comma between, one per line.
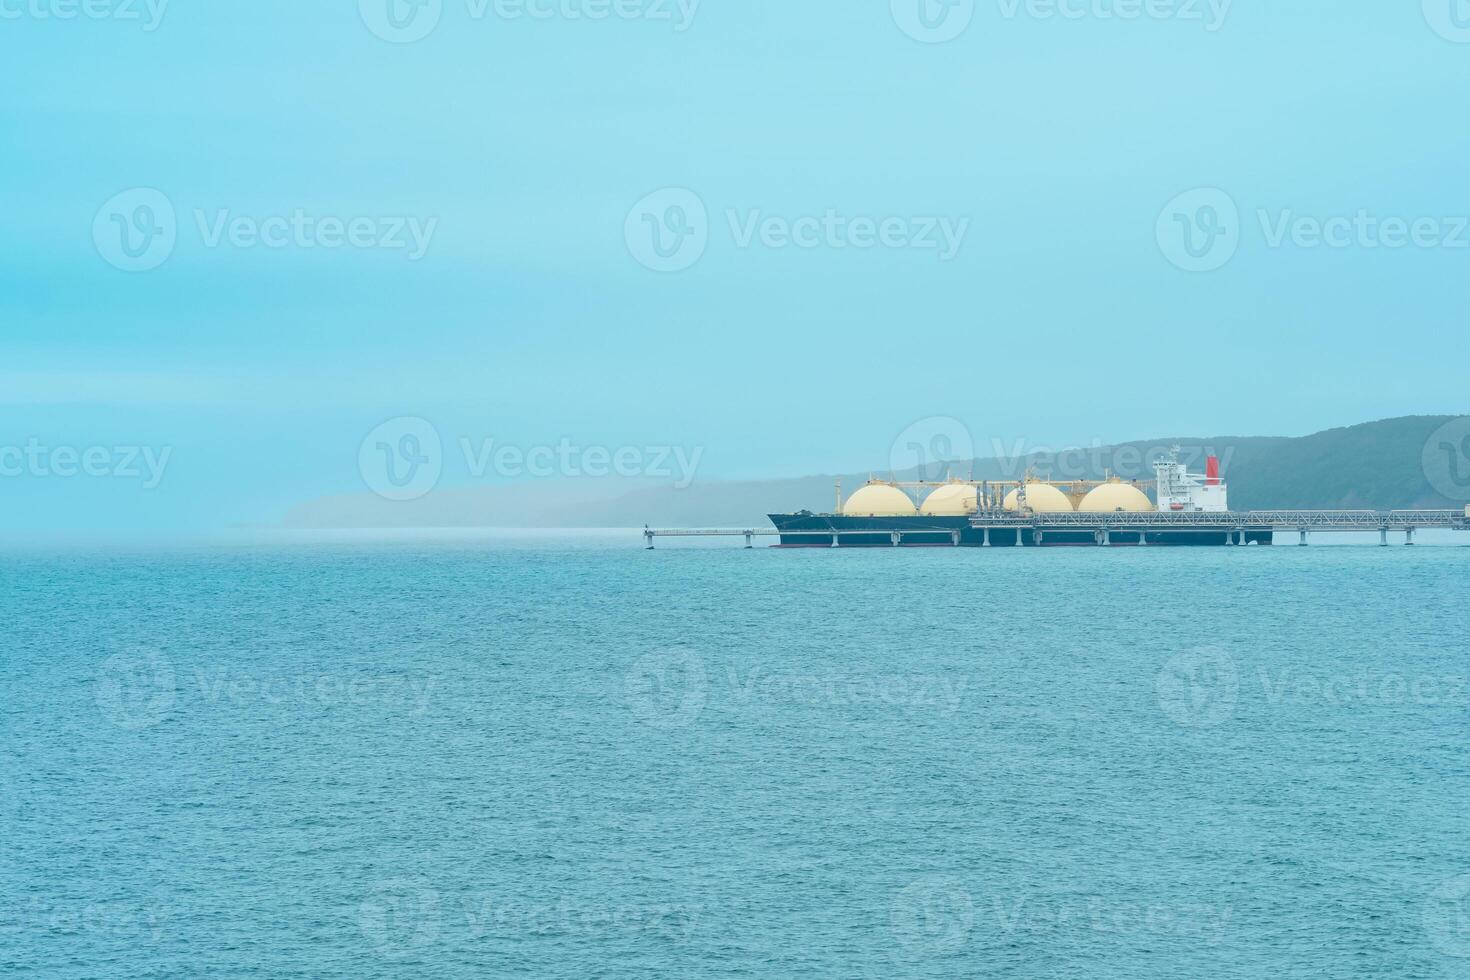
x=562, y=755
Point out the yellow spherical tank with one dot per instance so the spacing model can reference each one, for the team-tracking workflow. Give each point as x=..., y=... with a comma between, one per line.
x=1041, y=498
x=951, y=500
x=879, y=500
x=1113, y=497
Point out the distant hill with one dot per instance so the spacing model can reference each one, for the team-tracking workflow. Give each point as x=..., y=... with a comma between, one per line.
x=1377, y=465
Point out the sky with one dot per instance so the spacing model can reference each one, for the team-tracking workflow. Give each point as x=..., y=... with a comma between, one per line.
x=257, y=253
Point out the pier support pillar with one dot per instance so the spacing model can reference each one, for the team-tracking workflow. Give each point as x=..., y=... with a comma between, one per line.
x=896, y=537
x=955, y=537
x=1408, y=535
x=648, y=537
x=1142, y=537
x=1383, y=537
x=834, y=539
x=1104, y=537
x=1303, y=542
x=985, y=542
x=749, y=540
x=1036, y=537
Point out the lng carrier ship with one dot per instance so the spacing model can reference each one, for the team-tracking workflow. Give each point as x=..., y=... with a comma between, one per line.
x=1029, y=511
x=1186, y=509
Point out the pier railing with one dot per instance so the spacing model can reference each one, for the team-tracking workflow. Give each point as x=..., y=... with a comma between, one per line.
x=1276, y=520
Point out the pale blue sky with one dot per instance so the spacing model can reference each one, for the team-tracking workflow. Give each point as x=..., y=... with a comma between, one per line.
x=528, y=319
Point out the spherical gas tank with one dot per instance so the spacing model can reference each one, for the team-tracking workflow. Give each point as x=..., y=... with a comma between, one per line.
x=1110, y=498
x=1041, y=498
x=879, y=500
x=951, y=500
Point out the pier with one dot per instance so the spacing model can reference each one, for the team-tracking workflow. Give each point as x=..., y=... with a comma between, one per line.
x=1010, y=529
x=1236, y=526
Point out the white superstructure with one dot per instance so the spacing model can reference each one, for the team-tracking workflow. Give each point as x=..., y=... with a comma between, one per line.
x=1182, y=491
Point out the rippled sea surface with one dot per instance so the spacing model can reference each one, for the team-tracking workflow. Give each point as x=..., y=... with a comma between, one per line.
x=561, y=755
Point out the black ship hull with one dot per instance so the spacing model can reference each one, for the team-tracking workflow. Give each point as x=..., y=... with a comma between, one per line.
x=833, y=530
